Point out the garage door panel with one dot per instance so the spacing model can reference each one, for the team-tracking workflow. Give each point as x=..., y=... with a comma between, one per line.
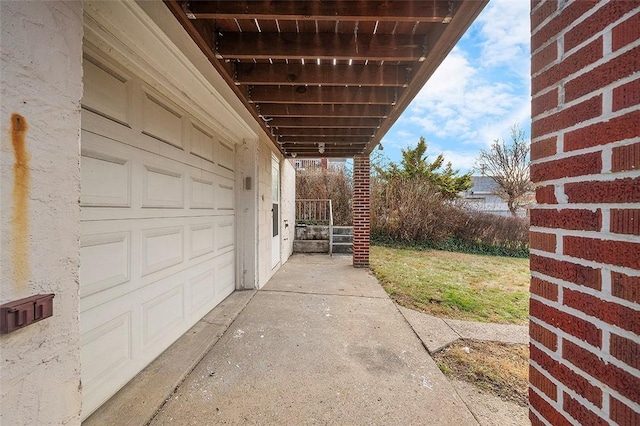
x=105, y=261
x=157, y=227
x=162, y=187
x=113, y=342
x=202, y=192
x=225, y=273
x=202, y=143
x=202, y=288
x=225, y=155
x=205, y=287
x=162, y=121
x=161, y=248
x=225, y=195
x=225, y=234
x=106, y=90
x=201, y=239
x=161, y=314
x=106, y=180
x=97, y=124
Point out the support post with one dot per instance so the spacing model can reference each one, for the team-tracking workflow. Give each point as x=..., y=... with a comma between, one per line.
x=361, y=210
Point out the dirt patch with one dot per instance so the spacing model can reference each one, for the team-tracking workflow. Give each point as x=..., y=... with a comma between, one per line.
x=498, y=368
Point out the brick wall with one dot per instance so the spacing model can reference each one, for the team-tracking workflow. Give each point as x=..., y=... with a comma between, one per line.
x=585, y=234
x=361, y=210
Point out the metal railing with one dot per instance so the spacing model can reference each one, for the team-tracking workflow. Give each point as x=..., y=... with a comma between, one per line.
x=316, y=212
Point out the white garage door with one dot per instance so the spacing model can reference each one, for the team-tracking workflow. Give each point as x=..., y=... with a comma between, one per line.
x=157, y=226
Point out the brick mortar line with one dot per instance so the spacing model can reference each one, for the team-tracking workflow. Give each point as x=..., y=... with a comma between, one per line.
x=557, y=405
x=596, y=235
x=558, y=358
x=588, y=263
x=606, y=30
x=558, y=12
x=587, y=206
x=586, y=15
x=602, y=118
x=606, y=356
x=540, y=416
x=590, y=178
x=565, y=388
x=605, y=90
x=606, y=297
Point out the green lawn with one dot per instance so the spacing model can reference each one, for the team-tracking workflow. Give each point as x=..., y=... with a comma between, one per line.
x=455, y=285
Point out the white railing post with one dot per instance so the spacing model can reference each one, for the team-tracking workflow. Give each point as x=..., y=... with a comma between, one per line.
x=330, y=229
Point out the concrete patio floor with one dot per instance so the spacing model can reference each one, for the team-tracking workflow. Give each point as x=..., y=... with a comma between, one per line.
x=320, y=344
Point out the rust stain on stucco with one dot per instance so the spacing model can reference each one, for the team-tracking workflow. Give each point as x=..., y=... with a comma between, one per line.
x=20, y=219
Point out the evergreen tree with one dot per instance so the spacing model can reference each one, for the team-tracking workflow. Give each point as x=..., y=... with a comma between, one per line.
x=415, y=163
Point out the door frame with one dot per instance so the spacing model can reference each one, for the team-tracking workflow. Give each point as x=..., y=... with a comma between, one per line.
x=276, y=243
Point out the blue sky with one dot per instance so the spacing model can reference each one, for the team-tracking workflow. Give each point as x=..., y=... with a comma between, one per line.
x=479, y=91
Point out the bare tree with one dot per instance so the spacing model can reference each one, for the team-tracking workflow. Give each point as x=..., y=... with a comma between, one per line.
x=508, y=165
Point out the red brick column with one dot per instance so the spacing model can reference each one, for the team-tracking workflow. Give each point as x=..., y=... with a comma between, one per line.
x=585, y=231
x=361, y=210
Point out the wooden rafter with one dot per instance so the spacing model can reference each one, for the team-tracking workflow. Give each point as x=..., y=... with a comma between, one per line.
x=337, y=72
x=326, y=122
x=323, y=110
x=325, y=74
x=325, y=139
x=321, y=131
x=327, y=46
x=390, y=10
x=324, y=95
x=326, y=147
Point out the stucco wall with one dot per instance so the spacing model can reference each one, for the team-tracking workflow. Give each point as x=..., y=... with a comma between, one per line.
x=287, y=210
x=264, y=212
x=288, y=207
x=41, y=47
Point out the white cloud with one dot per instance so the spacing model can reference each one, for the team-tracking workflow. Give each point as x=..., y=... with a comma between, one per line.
x=459, y=99
x=473, y=98
x=478, y=92
x=464, y=161
x=504, y=28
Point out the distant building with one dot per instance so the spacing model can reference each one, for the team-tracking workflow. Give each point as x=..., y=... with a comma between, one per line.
x=482, y=197
x=301, y=164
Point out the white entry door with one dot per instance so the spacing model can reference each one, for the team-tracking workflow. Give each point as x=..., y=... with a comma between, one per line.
x=275, y=211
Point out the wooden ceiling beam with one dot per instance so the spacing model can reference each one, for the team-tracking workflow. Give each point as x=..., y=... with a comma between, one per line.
x=347, y=152
x=315, y=148
x=328, y=151
x=327, y=46
x=326, y=122
x=324, y=110
x=396, y=10
x=336, y=154
x=323, y=74
x=319, y=131
x=324, y=95
x=445, y=37
x=284, y=140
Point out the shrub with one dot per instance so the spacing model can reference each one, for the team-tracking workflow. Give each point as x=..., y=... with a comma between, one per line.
x=496, y=231
x=411, y=211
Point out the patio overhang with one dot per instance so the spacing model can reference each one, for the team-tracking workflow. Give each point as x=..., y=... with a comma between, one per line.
x=326, y=77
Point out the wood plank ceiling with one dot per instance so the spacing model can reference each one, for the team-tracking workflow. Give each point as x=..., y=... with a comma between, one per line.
x=326, y=77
